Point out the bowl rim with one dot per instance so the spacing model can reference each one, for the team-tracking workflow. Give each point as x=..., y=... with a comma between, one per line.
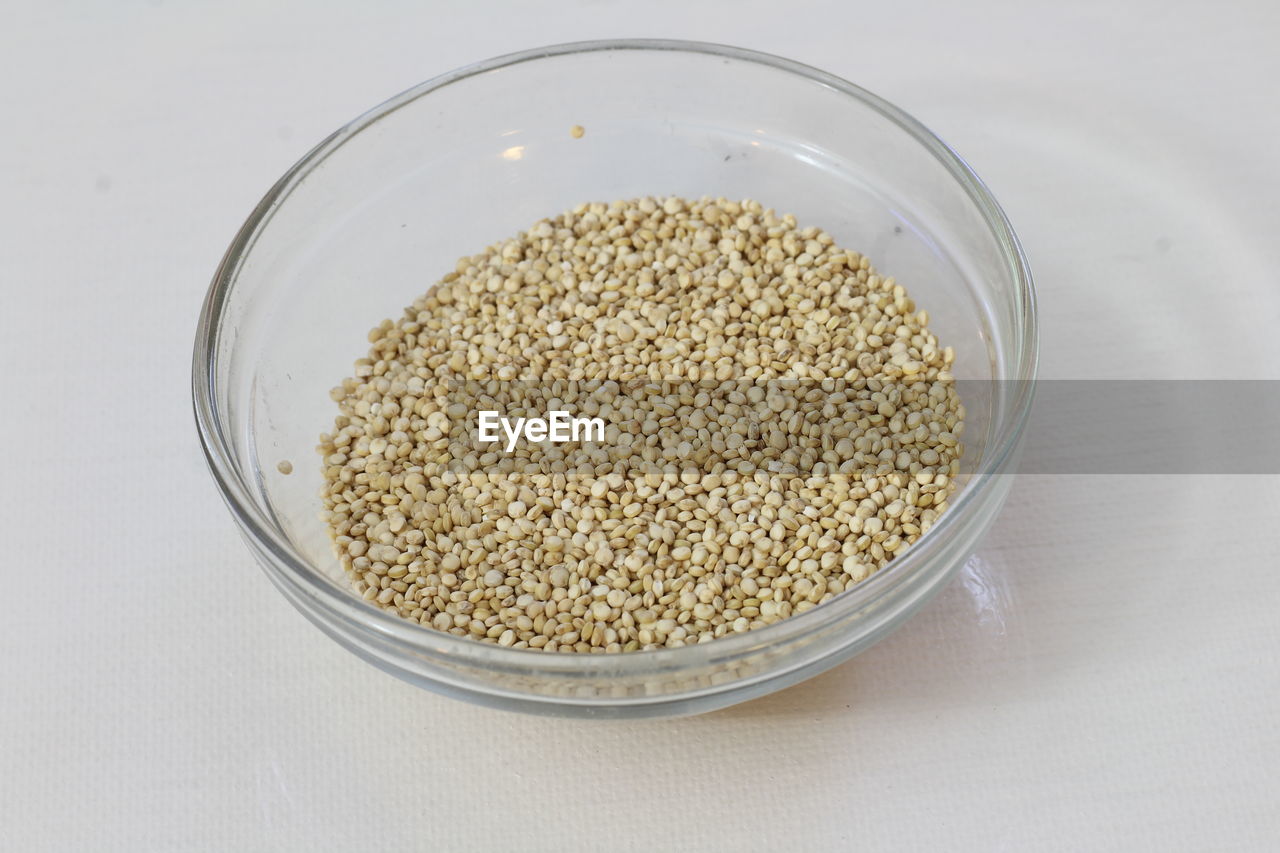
x=309, y=580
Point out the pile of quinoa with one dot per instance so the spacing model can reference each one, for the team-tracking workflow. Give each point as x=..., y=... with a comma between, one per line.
x=781, y=425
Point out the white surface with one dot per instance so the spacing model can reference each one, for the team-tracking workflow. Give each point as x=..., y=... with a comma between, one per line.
x=1103, y=677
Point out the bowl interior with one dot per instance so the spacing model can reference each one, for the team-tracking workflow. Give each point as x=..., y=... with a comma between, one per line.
x=458, y=164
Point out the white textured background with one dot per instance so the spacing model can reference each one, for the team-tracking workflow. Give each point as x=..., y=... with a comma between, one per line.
x=1104, y=675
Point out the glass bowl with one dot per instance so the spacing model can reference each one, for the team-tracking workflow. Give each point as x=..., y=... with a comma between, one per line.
x=380, y=210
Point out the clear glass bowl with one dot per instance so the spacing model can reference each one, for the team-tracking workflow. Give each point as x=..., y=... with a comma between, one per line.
x=376, y=213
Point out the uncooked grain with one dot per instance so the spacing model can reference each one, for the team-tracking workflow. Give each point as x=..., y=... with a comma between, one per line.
x=782, y=425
